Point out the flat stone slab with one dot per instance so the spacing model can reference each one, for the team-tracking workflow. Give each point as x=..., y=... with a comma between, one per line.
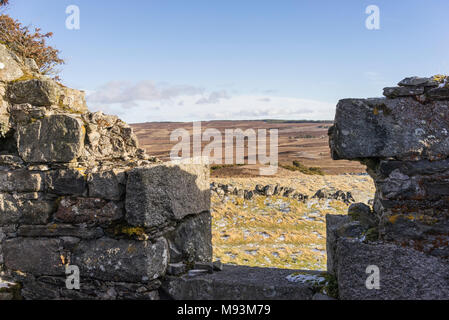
x=56, y=138
x=402, y=128
x=403, y=273
x=160, y=193
x=242, y=283
x=9, y=68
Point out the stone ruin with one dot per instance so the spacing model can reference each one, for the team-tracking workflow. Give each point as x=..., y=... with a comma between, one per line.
x=403, y=140
x=222, y=190
x=75, y=190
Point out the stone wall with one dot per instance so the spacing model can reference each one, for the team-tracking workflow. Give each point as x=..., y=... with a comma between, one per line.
x=403, y=140
x=75, y=190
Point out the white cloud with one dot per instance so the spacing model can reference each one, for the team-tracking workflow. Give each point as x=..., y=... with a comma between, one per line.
x=125, y=92
x=214, y=97
x=145, y=102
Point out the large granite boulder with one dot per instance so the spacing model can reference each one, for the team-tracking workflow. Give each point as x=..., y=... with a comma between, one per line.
x=37, y=141
x=191, y=241
x=35, y=256
x=122, y=260
x=159, y=194
x=402, y=129
x=403, y=273
x=26, y=208
x=46, y=92
x=241, y=283
x=10, y=69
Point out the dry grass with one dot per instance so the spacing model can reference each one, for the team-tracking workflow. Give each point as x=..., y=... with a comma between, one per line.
x=276, y=231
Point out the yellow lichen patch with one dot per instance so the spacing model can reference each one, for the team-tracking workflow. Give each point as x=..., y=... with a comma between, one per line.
x=439, y=78
x=25, y=77
x=376, y=111
x=131, y=249
x=394, y=219
x=82, y=171
x=137, y=232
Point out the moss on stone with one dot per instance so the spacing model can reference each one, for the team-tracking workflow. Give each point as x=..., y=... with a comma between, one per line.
x=372, y=234
x=14, y=290
x=331, y=286
x=131, y=232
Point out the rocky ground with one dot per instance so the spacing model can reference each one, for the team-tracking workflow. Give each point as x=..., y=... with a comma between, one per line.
x=280, y=231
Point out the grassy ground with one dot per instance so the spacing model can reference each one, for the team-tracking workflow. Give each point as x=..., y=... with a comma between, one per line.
x=276, y=231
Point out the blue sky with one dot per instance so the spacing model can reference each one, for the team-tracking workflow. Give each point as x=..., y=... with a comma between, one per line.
x=182, y=60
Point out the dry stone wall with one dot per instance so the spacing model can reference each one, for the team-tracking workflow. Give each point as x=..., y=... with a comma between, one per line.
x=404, y=141
x=76, y=190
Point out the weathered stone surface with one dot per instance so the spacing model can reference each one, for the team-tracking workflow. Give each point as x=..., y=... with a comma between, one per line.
x=54, y=288
x=404, y=273
x=88, y=210
x=106, y=185
x=122, y=260
x=238, y=283
x=207, y=266
x=4, y=115
x=418, y=81
x=192, y=239
x=333, y=223
x=439, y=93
x=36, y=142
x=411, y=198
x=35, y=256
x=160, y=193
x=66, y=182
x=9, y=68
x=18, y=208
x=109, y=138
x=24, y=114
x=176, y=269
x=46, y=92
x=363, y=213
x=11, y=161
x=72, y=100
x=59, y=230
x=20, y=181
x=383, y=128
x=394, y=92
x=36, y=92
x=218, y=265
x=31, y=64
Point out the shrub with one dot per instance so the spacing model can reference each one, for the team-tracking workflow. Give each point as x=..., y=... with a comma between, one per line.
x=298, y=166
x=29, y=44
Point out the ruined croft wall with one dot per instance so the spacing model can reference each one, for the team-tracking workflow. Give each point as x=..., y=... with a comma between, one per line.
x=76, y=190
x=403, y=139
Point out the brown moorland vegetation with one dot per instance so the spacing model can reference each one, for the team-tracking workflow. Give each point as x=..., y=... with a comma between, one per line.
x=301, y=141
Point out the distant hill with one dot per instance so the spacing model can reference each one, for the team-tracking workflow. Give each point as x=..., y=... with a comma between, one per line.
x=302, y=140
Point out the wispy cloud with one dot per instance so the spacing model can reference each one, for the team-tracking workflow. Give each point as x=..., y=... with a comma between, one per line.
x=214, y=97
x=146, y=101
x=125, y=92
